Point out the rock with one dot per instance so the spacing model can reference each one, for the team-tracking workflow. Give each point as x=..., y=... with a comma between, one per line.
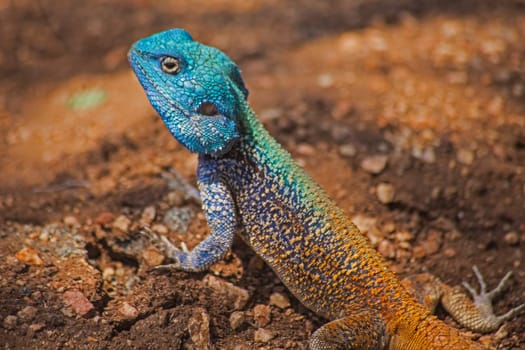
x=305, y=149
x=403, y=236
x=10, y=322
x=364, y=223
x=385, y=193
x=104, y=218
x=280, y=300
x=270, y=114
x=29, y=256
x=237, y=296
x=175, y=198
x=199, y=329
x=325, y=80
x=511, y=238
x=36, y=327
x=178, y=219
x=237, y=318
x=387, y=249
x=77, y=302
x=347, y=150
x=148, y=215
x=160, y=229
x=27, y=314
x=122, y=223
x=465, y=156
x=262, y=335
x=374, y=164
x=429, y=246
x=231, y=266
x=108, y=273
x=128, y=311
x=261, y=315
x=70, y=220
x=256, y=263
x=449, y=252
x=152, y=256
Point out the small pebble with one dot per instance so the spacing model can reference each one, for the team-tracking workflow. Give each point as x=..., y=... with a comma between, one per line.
x=237, y=318
x=403, y=236
x=108, y=273
x=374, y=164
x=104, y=218
x=148, y=215
x=152, y=256
x=122, y=223
x=175, y=198
x=449, y=252
x=262, y=335
x=10, y=322
x=261, y=315
x=36, y=327
x=70, y=220
x=128, y=311
x=280, y=300
x=27, y=314
x=77, y=302
x=29, y=256
x=199, y=329
x=305, y=150
x=385, y=193
x=347, y=150
x=160, y=229
x=178, y=219
x=325, y=80
x=386, y=249
x=511, y=238
x=230, y=266
x=237, y=296
x=465, y=156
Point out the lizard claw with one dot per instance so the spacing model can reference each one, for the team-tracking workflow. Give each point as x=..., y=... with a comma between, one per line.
x=169, y=249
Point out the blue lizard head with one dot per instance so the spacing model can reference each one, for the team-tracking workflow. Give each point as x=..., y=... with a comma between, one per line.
x=195, y=89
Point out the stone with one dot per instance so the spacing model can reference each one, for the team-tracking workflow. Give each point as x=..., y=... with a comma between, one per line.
x=280, y=300
x=261, y=315
x=262, y=335
x=374, y=164
x=385, y=193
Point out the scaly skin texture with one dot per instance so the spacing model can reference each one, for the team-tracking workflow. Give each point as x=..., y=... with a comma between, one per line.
x=251, y=185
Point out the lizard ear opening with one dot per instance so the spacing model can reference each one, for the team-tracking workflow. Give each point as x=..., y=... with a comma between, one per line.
x=237, y=79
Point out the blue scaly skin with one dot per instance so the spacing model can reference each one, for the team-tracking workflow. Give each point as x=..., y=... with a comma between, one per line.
x=249, y=184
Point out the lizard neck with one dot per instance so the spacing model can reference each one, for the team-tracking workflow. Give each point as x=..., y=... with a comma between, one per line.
x=259, y=146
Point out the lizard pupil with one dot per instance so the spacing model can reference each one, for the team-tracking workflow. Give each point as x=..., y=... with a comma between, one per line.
x=170, y=65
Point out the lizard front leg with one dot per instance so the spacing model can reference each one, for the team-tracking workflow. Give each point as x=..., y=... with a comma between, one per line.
x=219, y=209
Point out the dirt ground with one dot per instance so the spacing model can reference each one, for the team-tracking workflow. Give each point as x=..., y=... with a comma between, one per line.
x=410, y=114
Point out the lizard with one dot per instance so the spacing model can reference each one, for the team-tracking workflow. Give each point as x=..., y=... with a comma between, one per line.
x=250, y=185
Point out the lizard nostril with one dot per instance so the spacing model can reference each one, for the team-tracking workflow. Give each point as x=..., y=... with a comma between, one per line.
x=208, y=109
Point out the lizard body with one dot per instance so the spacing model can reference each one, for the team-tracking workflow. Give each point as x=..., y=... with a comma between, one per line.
x=249, y=184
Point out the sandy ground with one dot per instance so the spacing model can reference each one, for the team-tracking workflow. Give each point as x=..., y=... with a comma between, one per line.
x=411, y=116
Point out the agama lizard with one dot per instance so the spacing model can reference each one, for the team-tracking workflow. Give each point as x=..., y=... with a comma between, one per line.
x=250, y=184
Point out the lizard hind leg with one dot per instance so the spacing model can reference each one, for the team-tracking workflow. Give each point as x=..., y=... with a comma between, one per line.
x=361, y=331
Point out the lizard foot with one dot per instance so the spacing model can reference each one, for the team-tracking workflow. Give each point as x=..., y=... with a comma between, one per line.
x=483, y=319
x=484, y=298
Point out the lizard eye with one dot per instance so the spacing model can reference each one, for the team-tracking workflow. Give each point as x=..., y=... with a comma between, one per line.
x=170, y=65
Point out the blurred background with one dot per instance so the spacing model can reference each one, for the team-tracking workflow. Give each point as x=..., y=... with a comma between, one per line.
x=409, y=113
